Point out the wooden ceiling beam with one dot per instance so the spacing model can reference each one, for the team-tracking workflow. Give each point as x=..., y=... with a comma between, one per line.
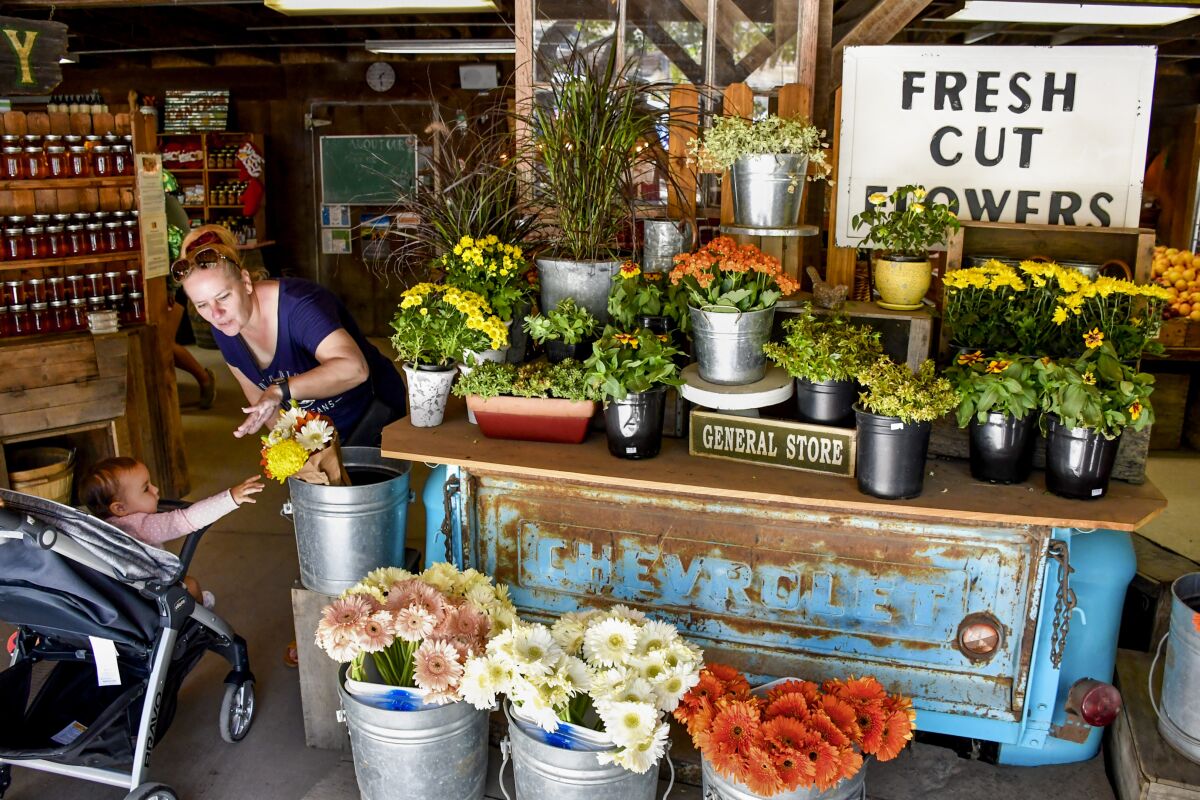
x=879, y=26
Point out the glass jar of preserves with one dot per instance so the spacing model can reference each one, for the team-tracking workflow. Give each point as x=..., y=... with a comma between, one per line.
x=33, y=164
x=112, y=283
x=39, y=318
x=5, y=323
x=94, y=231
x=133, y=241
x=114, y=302
x=10, y=164
x=94, y=288
x=114, y=239
x=56, y=162
x=60, y=219
x=95, y=304
x=78, y=163
x=133, y=280
x=35, y=290
x=75, y=288
x=14, y=293
x=60, y=316
x=82, y=217
x=18, y=320
x=15, y=246
x=56, y=242
x=75, y=243
x=135, y=307
x=56, y=290
x=32, y=140
x=36, y=238
x=102, y=163
x=111, y=139
x=122, y=160
x=77, y=314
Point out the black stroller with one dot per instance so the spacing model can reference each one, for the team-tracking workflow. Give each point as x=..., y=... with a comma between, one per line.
x=71, y=584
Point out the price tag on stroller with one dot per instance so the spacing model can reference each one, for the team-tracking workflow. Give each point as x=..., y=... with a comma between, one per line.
x=105, y=653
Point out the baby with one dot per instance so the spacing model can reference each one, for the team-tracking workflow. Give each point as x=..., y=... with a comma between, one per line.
x=119, y=491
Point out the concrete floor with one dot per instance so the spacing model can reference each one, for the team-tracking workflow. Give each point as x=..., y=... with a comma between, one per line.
x=249, y=560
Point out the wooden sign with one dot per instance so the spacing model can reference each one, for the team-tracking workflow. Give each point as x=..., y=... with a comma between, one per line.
x=774, y=443
x=29, y=55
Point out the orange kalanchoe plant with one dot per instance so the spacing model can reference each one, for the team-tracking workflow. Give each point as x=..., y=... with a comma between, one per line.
x=795, y=735
x=724, y=275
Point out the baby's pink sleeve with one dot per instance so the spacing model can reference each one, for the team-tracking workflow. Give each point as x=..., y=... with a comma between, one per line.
x=159, y=528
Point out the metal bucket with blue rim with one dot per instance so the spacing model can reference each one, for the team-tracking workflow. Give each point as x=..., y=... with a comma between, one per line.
x=1179, y=712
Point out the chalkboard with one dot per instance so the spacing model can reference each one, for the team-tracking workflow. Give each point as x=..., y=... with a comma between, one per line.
x=367, y=170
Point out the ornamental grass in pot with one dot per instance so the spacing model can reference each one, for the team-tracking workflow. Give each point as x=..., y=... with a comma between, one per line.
x=536, y=402
x=998, y=401
x=631, y=372
x=905, y=230
x=731, y=293
x=825, y=354
x=1087, y=404
x=565, y=331
x=769, y=160
x=894, y=417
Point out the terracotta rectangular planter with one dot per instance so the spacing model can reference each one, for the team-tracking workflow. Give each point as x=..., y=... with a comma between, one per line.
x=533, y=419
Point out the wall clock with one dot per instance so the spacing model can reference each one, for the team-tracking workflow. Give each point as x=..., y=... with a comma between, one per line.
x=381, y=76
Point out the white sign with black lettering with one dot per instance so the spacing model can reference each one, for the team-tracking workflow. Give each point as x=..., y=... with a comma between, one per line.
x=1051, y=135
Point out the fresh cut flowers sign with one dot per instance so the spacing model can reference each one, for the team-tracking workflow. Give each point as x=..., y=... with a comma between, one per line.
x=1053, y=135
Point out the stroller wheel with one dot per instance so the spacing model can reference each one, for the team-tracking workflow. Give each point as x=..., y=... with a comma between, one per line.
x=152, y=791
x=237, y=711
x=5, y=779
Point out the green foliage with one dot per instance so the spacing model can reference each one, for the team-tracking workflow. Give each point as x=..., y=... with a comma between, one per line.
x=567, y=322
x=893, y=390
x=435, y=324
x=824, y=348
x=911, y=226
x=730, y=138
x=726, y=276
x=628, y=363
x=1006, y=384
x=1096, y=391
x=637, y=294
x=566, y=380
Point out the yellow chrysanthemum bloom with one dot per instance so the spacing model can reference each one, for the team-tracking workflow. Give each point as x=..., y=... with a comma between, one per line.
x=285, y=459
x=1060, y=315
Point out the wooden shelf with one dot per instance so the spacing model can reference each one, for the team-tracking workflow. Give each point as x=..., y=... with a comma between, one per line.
x=224, y=169
x=69, y=183
x=71, y=261
x=238, y=206
x=184, y=171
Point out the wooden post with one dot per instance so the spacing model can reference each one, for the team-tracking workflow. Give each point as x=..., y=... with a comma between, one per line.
x=738, y=102
x=685, y=120
x=840, y=261
x=796, y=99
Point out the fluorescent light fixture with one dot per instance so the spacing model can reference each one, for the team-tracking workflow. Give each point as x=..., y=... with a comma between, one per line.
x=439, y=46
x=1071, y=13
x=67, y=59
x=301, y=7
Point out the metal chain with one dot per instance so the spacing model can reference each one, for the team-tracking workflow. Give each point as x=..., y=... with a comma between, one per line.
x=1064, y=601
x=449, y=489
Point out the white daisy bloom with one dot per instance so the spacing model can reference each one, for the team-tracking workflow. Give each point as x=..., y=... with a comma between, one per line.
x=605, y=683
x=289, y=417
x=278, y=435
x=441, y=576
x=533, y=650
x=479, y=685
x=628, y=723
x=642, y=756
x=533, y=705
x=655, y=636
x=635, y=690
x=652, y=667
x=315, y=434
x=576, y=673
x=610, y=642
x=621, y=611
x=481, y=594
x=673, y=686
x=568, y=632
x=384, y=577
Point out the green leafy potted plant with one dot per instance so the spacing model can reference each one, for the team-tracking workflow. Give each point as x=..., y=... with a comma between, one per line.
x=825, y=354
x=594, y=132
x=905, y=231
x=536, y=402
x=433, y=327
x=631, y=372
x=895, y=415
x=768, y=160
x=1088, y=403
x=566, y=331
x=732, y=290
x=641, y=299
x=997, y=398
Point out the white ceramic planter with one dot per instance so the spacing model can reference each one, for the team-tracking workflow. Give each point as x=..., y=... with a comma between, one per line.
x=428, y=390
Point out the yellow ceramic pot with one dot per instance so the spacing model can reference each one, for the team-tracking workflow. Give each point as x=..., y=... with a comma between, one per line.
x=902, y=281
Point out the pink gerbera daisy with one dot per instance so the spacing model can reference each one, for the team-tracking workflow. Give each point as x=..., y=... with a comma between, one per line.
x=414, y=592
x=437, y=667
x=413, y=623
x=343, y=616
x=374, y=632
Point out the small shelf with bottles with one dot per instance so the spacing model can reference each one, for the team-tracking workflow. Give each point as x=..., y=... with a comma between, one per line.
x=206, y=167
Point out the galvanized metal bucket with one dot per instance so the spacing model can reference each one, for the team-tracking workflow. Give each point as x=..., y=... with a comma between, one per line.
x=663, y=239
x=1179, y=714
x=544, y=772
x=718, y=787
x=344, y=532
x=586, y=282
x=728, y=344
x=768, y=190
x=436, y=753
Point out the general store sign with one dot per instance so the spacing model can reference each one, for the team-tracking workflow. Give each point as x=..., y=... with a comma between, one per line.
x=773, y=442
x=29, y=55
x=1051, y=135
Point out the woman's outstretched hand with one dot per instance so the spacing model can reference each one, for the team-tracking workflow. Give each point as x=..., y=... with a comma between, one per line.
x=261, y=412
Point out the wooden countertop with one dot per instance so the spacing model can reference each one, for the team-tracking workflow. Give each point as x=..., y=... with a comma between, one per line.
x=950, y=495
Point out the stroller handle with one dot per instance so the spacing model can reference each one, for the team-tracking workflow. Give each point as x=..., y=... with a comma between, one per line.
x=14, y=522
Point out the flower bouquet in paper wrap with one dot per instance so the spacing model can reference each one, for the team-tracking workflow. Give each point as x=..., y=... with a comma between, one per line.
x=792, y=734
x=406, y=630
x=303, y=445
x=614, y=672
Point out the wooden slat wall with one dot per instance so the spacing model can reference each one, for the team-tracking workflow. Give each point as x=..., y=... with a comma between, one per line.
x=840, y=262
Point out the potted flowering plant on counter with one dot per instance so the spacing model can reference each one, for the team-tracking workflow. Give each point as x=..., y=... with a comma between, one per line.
x=997, y=399
x=641, y=299
x=791, y=738
x=980, y=302
x=598, y=683
x=434, y=326
x=1087, y=403
x=906, y=232
x=566, y=331
x=403, y=640
x=894, y=418
x=769, y=160
x=490, y=268
x=535, y=402
x=631, y=372
x=732, y=290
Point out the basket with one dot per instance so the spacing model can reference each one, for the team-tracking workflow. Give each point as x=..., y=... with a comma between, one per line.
x=43, y=472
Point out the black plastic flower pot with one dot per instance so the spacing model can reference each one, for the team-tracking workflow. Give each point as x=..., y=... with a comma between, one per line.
x=1079, y=461
x=1002, y=448
x=656, y=324
x=634, y=425
x=557, y=351
x=891, y=455
x=827, y=402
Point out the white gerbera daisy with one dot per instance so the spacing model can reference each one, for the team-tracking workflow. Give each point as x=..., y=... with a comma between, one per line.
x=652, y=667
x=655, y=636
x=534, y=651
x=635, y=690
x=568, y=632
x=479, y=685
x=628, y=723
x=621, y=611
x=642, y=756
x=277, y=435
x=576, y=674
x=315, y=434
x=289, y=417
x=610, y=642
x=674, y=684
x=532, y=705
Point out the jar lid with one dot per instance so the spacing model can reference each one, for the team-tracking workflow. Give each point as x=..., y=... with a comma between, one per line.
x=74, y=278
x=53, y=137
x=32, y=137
x=119, y=214
x=112, y=274
x=78, y=148
x=14, y=232
x=13, y=283
x=35, y=230
x=54, y=280
x=20, y=307
x=96, y=275
x=35, y=281
x=74, y=228
x=10, y=137
x=112, y=297
x=100, y=214
x=41, y=217
x=135, y=295
x=56, y=149
x=79, y=301
x=101, y=148
x=72, y=137
x=10, y=150
x=36, y=149
x=15, y=218
x=54, y=229
x=133, y=272
x=91, y=137
x=131, y=223
x=38, y=306
x=120, y=148
x=112, y=224
x=61, y=217
x=94, y=226
x=58, y=304
x=80, y=215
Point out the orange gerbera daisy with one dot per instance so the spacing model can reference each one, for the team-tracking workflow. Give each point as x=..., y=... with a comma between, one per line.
x=729, y=763
x=761, y=775
x=842, y=714
x=870, y=722
x=793, y=770
x=851, y=762
x=784, y=733
x=1196, y=622
x=709, y=688
x=735, y=727
x=897, y=730
x=722, y=672
x=898, y=702
x=806, y=689
x=857, y=689
x=788, y=705
x=826, y=766
x=699, y=718
x=820, y=722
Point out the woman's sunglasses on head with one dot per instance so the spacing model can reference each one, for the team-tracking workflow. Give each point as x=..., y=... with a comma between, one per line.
x=202, y=260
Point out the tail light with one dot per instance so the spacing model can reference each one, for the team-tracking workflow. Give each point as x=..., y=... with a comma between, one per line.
x=1095, y=702
x=979, y=636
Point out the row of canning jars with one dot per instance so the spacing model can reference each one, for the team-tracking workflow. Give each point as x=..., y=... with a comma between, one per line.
x=64, y=316
x=61, y=235
x=72, y=287
x=35, y=157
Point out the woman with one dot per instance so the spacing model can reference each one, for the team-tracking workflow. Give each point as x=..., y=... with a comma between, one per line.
x=288, y=339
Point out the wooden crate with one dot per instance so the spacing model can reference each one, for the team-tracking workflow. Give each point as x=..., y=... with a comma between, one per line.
x=1174, y=332
x=1143, y=765
x=1170, y=409
x=906, y=335
x=319, y=701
